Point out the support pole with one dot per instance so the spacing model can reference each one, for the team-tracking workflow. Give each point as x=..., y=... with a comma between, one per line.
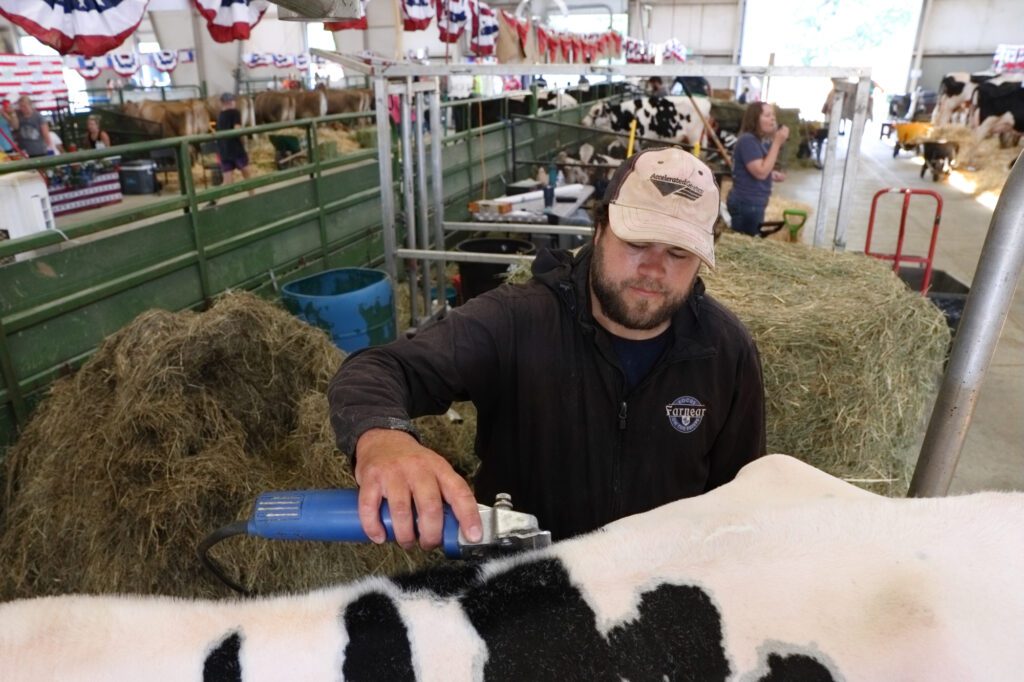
x=436, y=139
x=409, y=210
x=995, y=281
x=423, y=200
x=860, y=116
x=387, y=182
x=828, y=175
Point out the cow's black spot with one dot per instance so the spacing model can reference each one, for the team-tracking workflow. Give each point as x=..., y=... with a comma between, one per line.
x=222, y=664
x=678, y=636
x=795, y=668
x=378, y=646
x=445, y=581
x=538, y=627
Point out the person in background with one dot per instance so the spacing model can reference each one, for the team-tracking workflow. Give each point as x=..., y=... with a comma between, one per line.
x=657, y=87
x=54, y=145
x=744, y=96
x=753, y=167
x=31, y=131
x=231, y=149
x=6, y=134
x=609, y=384
x=95, y=136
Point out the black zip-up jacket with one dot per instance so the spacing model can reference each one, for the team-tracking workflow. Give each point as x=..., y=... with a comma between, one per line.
x=557, y=428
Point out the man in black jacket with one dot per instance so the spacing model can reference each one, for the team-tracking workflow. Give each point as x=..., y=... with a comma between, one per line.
x=608, y=385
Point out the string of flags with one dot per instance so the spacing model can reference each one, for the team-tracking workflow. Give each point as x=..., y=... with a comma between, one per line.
x=281, y=61
x=1008, y=58
x=126, y=64
x=644, y=52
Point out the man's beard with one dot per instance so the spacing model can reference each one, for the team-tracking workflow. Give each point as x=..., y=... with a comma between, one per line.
x=642, y=315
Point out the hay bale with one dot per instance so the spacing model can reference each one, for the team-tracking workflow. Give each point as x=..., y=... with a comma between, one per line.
x=169, y=432
x=851, y=356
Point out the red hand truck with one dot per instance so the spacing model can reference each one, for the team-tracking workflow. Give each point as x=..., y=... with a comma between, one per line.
x=899, y=256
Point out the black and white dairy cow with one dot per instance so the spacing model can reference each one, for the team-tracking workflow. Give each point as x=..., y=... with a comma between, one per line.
x=1000, y=103
x=672, y=119
x=784, y=574
x=956, y=93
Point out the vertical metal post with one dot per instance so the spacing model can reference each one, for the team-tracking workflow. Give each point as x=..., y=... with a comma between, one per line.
x=424, y=204
x=436, y=139
x=387, y=183
x=14, y=394
x=412, y=270
x=313, y=145
x=188, y=187
x=995, y=281
x=829, y=173
x=860, y=116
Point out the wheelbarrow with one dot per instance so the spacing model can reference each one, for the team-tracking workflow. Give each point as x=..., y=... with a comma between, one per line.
x=792, y=219
x=939, y=158
x=909, y=134
x=287, y=150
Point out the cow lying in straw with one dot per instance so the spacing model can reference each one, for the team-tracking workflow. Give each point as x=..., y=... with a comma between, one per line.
x=786, y=573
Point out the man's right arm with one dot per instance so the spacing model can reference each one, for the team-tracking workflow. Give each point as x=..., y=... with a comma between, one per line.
x=377, y=392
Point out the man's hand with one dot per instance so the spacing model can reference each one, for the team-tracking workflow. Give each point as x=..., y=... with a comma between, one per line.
x=392, y=465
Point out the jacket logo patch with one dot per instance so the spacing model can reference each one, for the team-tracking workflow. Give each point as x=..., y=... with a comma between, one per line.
x=685, y=414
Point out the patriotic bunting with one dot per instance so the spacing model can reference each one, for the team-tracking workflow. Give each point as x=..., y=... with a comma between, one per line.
x=124, y=63
x=41, y=78
x=85, y=27
x=284, y=61
x=87, y=67
x=485, y=29
x=348, y=24
x=302, y=62
x=452, y=16
x=166, y=60
x=417, y=14
x=228, y=20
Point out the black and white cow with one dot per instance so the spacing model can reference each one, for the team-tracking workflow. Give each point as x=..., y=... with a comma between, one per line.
x=956, y=93
x=1000, y=102
x=672, y=119
x=784, y=574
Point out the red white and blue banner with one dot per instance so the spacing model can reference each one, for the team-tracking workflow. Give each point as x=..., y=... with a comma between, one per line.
x=485, y=29
x=165, y=60
x=284, y=61
x=124, y=63
x=1008, y=58
x=228, y=20
x=41, y=78
x=348, y=24
x=417, y=14
x=86, y=27
x=278, y=60
x=452, y=16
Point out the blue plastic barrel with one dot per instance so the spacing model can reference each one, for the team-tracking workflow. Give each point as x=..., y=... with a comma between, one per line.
x=356, y=306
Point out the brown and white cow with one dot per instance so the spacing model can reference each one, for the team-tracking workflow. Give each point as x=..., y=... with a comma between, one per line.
x=309, y=103
x=784, y=574
x=176, y=117
x=272, y=106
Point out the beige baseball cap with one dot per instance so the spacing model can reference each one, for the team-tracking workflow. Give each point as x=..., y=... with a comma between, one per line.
x=668, y=196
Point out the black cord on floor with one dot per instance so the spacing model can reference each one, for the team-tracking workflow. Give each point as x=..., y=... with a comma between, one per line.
x=230, y=530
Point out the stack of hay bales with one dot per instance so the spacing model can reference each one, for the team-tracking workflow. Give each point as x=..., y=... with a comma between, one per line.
x=169, y=432
x=851, y=356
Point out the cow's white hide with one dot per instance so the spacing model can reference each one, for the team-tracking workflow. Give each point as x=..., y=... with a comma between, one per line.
x=794, y=560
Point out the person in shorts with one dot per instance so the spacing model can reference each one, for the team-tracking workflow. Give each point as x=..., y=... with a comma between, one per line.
x=231, y=149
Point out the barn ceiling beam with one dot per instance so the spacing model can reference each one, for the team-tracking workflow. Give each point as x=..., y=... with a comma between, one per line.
x=400, y=70
x=317, y=10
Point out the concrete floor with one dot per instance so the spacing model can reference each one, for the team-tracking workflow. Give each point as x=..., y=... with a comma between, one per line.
x=993, y=454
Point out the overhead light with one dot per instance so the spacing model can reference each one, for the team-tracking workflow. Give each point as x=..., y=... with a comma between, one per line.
x=317, y=10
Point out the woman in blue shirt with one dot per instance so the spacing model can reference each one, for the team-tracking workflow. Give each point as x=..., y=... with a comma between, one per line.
x=753, y=167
